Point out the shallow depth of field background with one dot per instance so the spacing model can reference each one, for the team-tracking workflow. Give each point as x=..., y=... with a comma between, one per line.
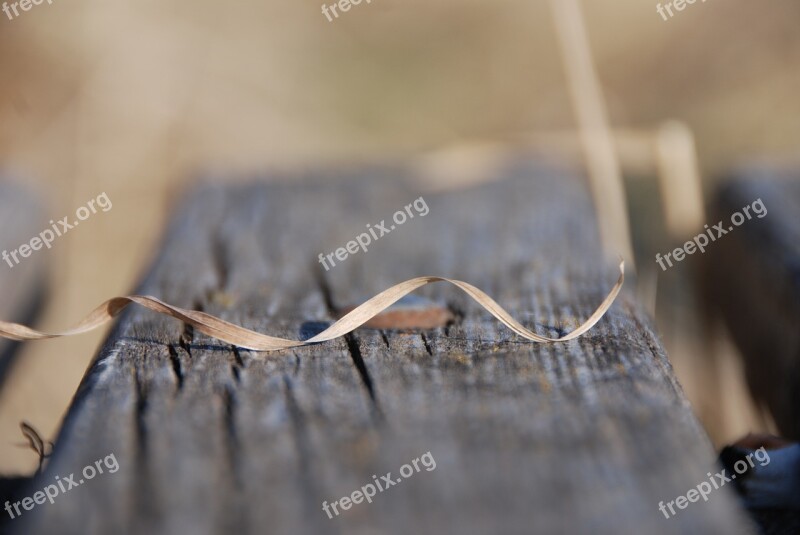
x=133, y=98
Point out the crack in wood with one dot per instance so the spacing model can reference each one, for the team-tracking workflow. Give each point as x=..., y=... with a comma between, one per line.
x=143, y=497
x=176, y=366
x=238, y=357
x=352, y=341
x=297, y=361
x=187, y=336
x=358, y=360
x=427, y=345
x=231, y=444
x=140, y=426
x=301, y=438
x=307, y=461
x=236, y=374
x=237, y=366
x=457, y=313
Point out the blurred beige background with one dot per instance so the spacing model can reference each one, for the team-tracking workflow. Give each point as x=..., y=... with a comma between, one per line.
x=132, y=98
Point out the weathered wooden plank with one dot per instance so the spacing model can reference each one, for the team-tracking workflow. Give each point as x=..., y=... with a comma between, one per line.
x=754, y=280
x=582, y=436
x=21, y=283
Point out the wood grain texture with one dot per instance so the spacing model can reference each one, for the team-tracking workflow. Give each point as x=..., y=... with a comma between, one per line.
x=585, y=436
x=754, y=280
x=21, y=285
